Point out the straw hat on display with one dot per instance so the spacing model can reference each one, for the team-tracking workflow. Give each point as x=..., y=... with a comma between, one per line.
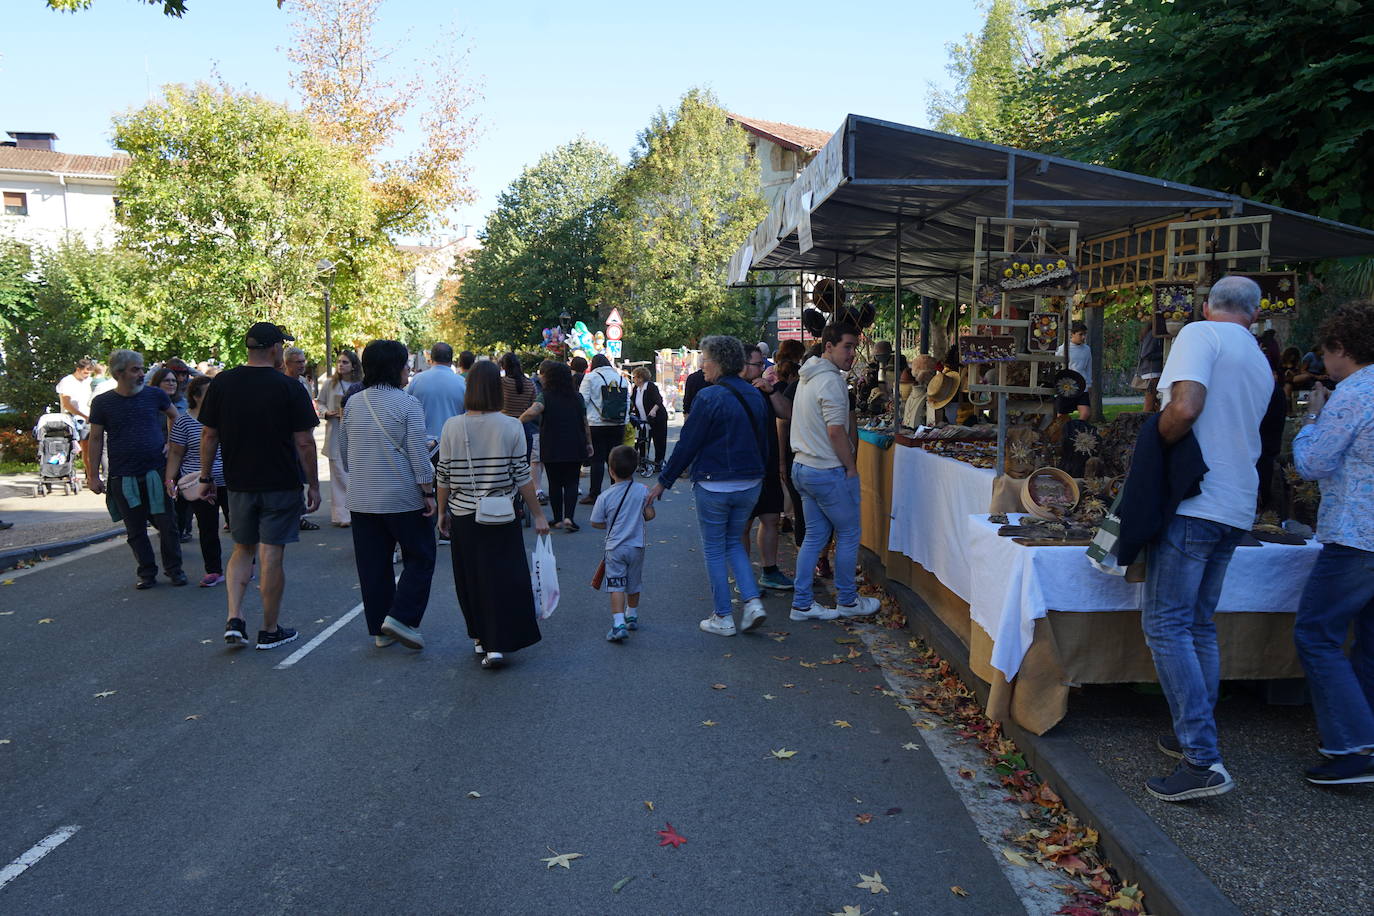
x=942, y=388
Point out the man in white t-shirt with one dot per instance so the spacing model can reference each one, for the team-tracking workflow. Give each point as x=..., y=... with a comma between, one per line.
x=1216, y=384
x=607, y=431
x=74, y=396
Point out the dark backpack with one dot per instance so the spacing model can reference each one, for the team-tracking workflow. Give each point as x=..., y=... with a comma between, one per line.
x=615, y=403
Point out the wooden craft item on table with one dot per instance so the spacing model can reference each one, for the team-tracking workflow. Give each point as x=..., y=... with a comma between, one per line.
x=1050, y=493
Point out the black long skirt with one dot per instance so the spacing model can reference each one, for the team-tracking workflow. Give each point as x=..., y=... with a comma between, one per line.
x=492, y=578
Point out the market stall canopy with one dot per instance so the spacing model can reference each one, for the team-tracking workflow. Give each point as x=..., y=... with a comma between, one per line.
x=841, y=216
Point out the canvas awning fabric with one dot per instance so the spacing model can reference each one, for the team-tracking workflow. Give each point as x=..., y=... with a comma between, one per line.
x=873, y=173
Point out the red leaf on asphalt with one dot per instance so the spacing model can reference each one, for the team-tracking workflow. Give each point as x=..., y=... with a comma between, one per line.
x=670, y=837
x=863, y=818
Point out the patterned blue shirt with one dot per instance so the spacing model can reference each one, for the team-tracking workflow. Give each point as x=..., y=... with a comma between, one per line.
x=1338, y=450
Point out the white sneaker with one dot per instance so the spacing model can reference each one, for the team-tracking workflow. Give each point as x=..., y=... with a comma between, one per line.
x=861, y=608
x=818, y=612
x=407, y=636
x=753, y=615
x=721, y=626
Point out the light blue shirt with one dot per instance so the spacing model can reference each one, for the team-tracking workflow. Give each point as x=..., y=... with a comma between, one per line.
x=440, y=392
x=1338, y=451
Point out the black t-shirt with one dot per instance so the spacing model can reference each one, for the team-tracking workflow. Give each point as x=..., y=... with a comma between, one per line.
x=135, y=429
x=257, y=410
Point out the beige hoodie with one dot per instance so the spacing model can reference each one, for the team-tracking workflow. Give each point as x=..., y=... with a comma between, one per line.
x=822, y=400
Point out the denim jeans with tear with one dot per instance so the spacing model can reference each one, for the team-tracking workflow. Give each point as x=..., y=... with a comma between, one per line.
x=722, y=517
x=1187, y=565
x=1339, y=590
x=830, y=500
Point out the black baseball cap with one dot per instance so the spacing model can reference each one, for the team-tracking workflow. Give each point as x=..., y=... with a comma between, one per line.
x=265, y=334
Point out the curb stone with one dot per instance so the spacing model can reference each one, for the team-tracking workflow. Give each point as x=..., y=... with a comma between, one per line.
x=9, y=559
x=1138, y=848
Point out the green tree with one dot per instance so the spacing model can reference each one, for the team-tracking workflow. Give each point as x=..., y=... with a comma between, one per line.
x=1271, y=99
x=541, y=249
x=689, y=199
x=230, y=202
x=997, y=73
x=56, y=306
x=176, y=8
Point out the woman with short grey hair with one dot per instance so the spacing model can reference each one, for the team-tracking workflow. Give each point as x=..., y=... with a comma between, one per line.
x=725, y=442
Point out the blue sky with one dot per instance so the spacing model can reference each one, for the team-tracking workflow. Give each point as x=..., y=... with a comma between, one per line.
x=548, y=71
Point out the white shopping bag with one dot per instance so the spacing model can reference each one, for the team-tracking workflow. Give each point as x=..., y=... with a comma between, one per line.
x=544, y=577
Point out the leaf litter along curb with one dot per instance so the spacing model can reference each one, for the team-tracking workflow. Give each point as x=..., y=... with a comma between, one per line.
x=1057, y=840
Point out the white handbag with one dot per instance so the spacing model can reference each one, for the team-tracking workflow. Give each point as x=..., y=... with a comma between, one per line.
x=491, y=510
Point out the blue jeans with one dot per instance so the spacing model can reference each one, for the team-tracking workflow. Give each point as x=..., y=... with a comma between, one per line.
x=830, y=501
x=1182, y=585
x=722, y=517
x=1340, y=589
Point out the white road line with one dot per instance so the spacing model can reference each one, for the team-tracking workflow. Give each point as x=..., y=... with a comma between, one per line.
x=41, y=849
x=81, y=554
x=324, y=634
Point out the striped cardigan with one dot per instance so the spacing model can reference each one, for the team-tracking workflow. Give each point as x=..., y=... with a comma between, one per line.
x=498, y=466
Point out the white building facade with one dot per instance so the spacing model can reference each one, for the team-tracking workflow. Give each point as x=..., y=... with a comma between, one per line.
x=47, y=197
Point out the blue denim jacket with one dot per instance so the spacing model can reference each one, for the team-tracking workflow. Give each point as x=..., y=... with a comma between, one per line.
x=718, y=441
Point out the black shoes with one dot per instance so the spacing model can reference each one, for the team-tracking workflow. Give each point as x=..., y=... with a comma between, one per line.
x=236, y=633
x=143, y=584
x=178, y=578
x=1168, y=746
x=281, y=637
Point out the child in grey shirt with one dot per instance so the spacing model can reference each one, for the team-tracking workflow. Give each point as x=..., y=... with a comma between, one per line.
x=623, y=509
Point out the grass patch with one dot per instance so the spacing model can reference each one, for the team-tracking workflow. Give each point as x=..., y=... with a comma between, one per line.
x=1111, y=411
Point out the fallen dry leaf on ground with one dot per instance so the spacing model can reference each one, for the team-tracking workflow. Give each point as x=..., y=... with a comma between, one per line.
x=560, y=859
x=192, y=718
x=103, y=694
x=872, y=883
x=911, y=746
x=807, y=664
x=709, y=724
x=6, y=613
x=1015, y=858
x=841, y=723
x=958, y=891
x=479, y=795
x=863, y=818
x=769, y=696
x=670, y=837
x=45, y=620
x=717, y=686
x=615, y=888
x=851, y=911
x=5, y=741
x=783, y=753
x=966, y=773
x=649, y=805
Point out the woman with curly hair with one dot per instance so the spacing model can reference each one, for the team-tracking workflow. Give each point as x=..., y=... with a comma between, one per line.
x=1336, y=447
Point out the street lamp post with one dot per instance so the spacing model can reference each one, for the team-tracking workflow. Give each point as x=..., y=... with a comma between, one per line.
x=326, y=266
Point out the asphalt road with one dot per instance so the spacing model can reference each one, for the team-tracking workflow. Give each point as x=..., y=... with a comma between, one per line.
x=208, y=780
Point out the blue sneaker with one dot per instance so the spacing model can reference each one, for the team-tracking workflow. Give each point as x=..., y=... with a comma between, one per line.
x=778, y=580
x=631, y=622
x=618, y=632
x=1189, y=781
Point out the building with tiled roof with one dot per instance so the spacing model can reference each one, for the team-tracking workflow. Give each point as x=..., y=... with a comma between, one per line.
x=782, y=151
x=49, y=196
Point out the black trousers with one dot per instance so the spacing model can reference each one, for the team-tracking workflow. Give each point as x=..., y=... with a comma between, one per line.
x=658, y=433
x=563, y=478
x=604, y=438
x=375, y=536
x=206, y=515
x=136, y=521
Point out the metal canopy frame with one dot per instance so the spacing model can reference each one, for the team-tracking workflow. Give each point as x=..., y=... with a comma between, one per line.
x=872, y=193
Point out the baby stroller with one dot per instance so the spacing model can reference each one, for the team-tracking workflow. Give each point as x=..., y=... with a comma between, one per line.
x=642, y=439
x=57, y=436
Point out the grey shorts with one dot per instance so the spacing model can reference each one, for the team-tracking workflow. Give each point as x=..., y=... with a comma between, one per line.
x=265, y=517
x=624, y=569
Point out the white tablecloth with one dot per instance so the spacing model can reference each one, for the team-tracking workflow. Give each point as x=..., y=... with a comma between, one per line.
x=932, y=498
x=1014, y=585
